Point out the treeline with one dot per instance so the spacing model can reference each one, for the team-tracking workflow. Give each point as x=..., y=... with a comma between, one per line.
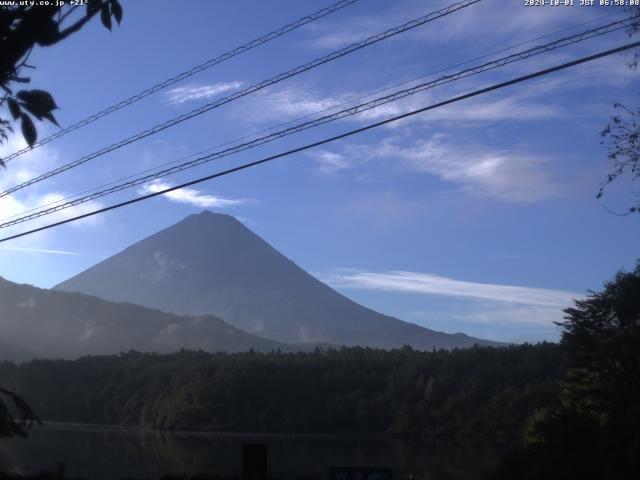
x=594, y=431
x=481, y=392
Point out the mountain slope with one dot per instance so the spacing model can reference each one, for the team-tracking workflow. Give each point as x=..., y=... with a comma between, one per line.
x=67, y=325
x=212, y=264
x=14, y=353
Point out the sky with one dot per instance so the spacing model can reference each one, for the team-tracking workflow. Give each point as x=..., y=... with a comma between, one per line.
x=480, y=217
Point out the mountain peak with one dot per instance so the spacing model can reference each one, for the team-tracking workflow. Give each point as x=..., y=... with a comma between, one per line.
x=211, y=263
x=210, y=222
x=208, y=214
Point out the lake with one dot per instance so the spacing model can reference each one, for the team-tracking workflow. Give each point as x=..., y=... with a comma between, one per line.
x=115, y=452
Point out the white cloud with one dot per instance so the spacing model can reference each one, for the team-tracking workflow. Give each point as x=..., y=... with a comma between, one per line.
x=336, y=34
x=512, y=22
x=330, y=162
x=192, y=196
x=510, y=176
x=28, y=165
x=24, y=168
x=288, y=103
x=297, y=103
x=520, y=107
x=41, y=250
x=190, y=93
x=514, y=315
x=508, y=22
x=492, y=314
x=426, y=283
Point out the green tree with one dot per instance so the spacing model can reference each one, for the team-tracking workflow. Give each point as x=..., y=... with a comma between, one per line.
x=595, y=433
x=22, y=28
x=602, y=337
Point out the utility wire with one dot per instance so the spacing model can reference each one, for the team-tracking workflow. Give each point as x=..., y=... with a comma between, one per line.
x=253, y=88
x=313, y=114
x=188, y=73
x=563, y=42
x=475, y=93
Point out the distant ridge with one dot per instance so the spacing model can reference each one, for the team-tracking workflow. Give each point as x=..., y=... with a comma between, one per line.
x=68, y=325
x=213, y=264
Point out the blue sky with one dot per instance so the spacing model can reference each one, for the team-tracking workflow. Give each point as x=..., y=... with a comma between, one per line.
x=479, y=217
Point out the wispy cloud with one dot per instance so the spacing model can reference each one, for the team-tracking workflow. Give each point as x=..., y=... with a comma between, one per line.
x=520, y=107
x=508, y=175
x=507, y=21
x=511, y=176
x=26, y=167
x=337, y=34
x=330, y=162
x=192, y=196
x=300, y=103
x=491, y=314
x=42, y=250
x=190, y=93
x=296, y=101
x=427, y=283
x=289, y=103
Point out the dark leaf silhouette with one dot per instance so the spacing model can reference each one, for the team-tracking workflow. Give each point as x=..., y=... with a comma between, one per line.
x=48, y=32
x=28, y=130
x=15, y=424
x=105, y=16
x=14, y=108
x=29, y=25
x=116, y=10
x=42, y=101
x=51, y=118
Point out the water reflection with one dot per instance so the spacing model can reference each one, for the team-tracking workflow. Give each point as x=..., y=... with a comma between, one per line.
x=111, y=452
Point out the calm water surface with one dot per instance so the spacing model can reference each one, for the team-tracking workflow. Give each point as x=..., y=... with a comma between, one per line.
x=112, y=452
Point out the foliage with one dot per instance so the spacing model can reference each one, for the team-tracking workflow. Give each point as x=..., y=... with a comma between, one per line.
x=15, y=417
x=481, y=392
x=602, y=337
x=595, y=432
x=621, y=136
x=24, y=26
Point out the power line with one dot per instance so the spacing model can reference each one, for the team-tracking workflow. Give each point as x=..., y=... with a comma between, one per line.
x=309, y=115
x=313, y=114
x=573, y=39
x=481, y=91
x=254, y=88
x=188, y=73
